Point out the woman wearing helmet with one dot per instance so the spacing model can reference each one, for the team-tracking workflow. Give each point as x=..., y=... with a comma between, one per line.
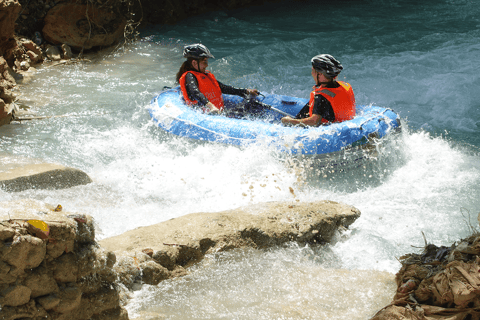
x=330, y=100
x=200, y=86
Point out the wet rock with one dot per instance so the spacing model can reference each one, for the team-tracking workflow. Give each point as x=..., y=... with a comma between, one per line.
x=66, y=52
x=41, y=176
x=53, y=53
x=153, y=273
x=180, y=242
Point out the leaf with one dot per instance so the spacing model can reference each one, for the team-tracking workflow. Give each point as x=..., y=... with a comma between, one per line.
x=39, y=228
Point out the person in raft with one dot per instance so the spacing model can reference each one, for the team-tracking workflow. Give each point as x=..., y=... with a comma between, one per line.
x=330, y=100
x=199, y=86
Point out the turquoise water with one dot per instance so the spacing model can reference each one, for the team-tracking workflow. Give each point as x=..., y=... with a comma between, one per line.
x=420, y=59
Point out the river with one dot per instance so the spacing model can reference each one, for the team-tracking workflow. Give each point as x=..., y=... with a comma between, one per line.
x=419, y=58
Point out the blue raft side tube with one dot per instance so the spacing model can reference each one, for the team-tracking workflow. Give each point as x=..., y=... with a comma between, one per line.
x=181, y=120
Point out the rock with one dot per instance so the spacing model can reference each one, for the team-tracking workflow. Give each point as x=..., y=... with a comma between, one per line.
x=65, y=268
x=66, y=52
x=153, y=273
x=31, y=46
x=41, y=283
x=65, y=237
x=9, y=12
x=7, y=82
x=49, y=302
x=25, y=252
x=33, y=56
x=70, y=297
x=180, y=242
x=38, y=281
x=81, y=26
x=41, y=176
x=26, y=311
x=6, y=232
x=53, y=53
x=5, y=116
x=15, y=296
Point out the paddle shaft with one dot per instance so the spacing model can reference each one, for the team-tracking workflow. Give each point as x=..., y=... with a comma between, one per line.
x=273, y=108
x=280, y=111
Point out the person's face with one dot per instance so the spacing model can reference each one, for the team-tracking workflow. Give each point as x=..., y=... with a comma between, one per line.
x=201, y=65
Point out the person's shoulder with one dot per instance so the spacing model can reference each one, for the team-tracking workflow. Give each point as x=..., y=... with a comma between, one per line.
x=190, y=74
x=334, y=84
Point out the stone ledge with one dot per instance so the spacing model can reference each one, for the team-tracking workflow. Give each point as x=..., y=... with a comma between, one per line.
x=161, y=251
x=41, y=176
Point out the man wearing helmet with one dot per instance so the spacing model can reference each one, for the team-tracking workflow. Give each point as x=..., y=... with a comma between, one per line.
x=199, y=86
x=330, y=100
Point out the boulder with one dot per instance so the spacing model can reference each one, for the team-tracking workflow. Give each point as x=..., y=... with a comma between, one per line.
x=83, y=27
x=41, y=176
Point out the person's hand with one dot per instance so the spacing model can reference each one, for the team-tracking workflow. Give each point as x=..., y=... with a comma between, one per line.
x=211, y=109
x=287, y=120
x=253, y=92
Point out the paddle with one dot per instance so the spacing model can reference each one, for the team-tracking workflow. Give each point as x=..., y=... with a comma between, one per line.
x=267, y=106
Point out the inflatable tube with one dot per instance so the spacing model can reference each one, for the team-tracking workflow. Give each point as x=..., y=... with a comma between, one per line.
x=169, y=111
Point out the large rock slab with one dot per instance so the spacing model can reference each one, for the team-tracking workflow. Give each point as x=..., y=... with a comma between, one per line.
x=40, y=176
x=154, y=253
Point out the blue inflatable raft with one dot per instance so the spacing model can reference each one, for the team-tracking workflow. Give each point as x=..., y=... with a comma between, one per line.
x=171, y=114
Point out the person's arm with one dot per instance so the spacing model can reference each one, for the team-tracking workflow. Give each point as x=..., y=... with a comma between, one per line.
x=313, y=121
x=322, y=109
x=226, y=89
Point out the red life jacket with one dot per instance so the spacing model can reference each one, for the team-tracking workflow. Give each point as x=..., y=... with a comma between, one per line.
x=207, y=84
x=342, y=100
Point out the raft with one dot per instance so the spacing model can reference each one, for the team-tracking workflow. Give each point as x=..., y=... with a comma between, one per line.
x=169, y=112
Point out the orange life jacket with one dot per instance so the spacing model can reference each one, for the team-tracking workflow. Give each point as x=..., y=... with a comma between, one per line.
x=207, y=84
x=342, y=100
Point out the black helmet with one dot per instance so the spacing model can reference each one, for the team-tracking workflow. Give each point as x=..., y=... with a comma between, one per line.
x=327, y=64
x=196, y=51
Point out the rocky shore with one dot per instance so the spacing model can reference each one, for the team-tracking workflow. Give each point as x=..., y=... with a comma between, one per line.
x=52, y=267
